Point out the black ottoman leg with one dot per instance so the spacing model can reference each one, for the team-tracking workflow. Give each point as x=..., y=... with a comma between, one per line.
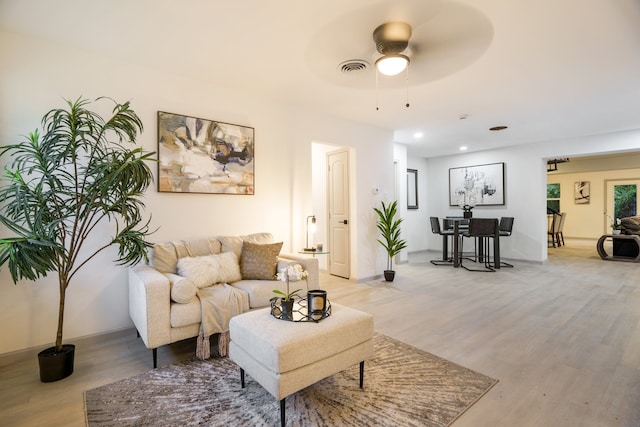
x=241, y=378
x=282, y=416
x=361, y=373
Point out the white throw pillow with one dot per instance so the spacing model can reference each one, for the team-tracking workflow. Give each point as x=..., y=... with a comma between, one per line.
x=183, y=290
x=228, y=267
x=208, y=270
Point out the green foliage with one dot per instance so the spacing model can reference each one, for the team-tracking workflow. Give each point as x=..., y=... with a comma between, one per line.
x=389, y=227
x=553, y=191
x=61, y=185
x=624, y=200
x=285, y=296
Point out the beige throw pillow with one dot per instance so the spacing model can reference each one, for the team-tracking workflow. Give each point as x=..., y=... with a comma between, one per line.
x=259, y=261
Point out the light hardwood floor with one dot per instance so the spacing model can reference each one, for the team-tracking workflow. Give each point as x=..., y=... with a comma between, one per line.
x=562, y=338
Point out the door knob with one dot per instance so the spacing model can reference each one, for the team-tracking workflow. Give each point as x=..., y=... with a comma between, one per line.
x=344, y=222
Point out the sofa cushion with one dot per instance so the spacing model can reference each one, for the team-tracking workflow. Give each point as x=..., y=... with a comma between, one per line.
x=208, y=270
x=164, y=256
x=185, y=314
x=259, y=260
x=234, y=243
x=259, y=292
x=197, y=247
x=183, y=290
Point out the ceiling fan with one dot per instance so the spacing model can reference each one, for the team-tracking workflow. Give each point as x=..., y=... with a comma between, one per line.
x=436, y=38
x=391, y=40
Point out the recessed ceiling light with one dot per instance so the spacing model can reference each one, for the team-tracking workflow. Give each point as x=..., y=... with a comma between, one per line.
x=464, y=148
x=497, y=128
x=418, y=135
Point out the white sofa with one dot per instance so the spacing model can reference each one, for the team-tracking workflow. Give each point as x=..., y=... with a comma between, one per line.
x=163, y=304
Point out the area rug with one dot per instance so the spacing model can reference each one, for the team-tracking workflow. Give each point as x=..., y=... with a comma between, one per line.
x=403, y=386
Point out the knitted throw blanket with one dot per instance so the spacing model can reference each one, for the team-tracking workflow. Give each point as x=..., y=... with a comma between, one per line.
x=218, y=303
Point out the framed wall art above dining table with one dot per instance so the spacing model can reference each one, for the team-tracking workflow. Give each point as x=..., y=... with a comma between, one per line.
x=480, y=185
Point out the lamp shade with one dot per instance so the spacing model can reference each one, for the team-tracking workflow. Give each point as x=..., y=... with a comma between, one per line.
x=392, y=64
x=310, y=228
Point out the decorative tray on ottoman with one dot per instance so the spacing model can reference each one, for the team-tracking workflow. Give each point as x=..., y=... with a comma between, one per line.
x=300, y=311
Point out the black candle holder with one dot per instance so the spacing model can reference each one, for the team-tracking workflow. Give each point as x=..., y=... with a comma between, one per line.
x=300, y=311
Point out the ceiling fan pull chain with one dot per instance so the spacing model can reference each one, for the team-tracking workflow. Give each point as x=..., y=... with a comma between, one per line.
x=407, y=104
x=377, y=106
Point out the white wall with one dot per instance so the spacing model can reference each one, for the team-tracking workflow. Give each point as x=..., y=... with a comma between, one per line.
x=37, y=75
x=416, y=228
x=400, y=195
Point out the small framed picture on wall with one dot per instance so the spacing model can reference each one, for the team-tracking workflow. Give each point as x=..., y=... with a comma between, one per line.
x=582, y=193
x=412, y=189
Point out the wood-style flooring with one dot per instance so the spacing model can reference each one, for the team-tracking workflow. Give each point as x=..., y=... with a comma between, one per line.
x=562, y=338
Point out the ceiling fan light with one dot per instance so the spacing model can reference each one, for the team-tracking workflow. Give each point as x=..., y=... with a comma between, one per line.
x=392, y=64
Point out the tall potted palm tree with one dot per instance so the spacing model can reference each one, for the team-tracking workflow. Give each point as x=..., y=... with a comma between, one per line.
x=58, y=187
x=389, y=227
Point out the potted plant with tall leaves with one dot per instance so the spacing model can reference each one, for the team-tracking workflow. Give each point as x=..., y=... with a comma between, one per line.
x=58, y=187
x=389, y=227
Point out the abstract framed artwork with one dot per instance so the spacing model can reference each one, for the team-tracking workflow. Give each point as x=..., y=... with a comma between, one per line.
x=412, y=189
x=481, y=185
x=204, y=156
x=582, y=192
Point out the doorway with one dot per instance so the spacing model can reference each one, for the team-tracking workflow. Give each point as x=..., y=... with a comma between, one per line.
x=622, y=199
x=338, y=195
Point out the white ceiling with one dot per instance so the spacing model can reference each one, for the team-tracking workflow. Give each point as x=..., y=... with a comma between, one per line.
x=547, y=69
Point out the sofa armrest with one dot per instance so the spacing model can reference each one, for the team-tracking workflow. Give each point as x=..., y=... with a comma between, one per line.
x=311, y=265
x=150, y=304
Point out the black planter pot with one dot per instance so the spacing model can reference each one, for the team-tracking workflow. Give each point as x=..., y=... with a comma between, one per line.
x=389, y=275
x=55, y=365
x=287, y=309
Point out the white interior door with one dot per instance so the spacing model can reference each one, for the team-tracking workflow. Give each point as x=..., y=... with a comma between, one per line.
x=338, y=195
x=610, y=208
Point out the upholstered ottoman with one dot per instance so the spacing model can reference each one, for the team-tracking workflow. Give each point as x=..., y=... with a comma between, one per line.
x=285, y=357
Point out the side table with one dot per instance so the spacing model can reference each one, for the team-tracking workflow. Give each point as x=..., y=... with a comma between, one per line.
x=314, y=253
x=627, y=244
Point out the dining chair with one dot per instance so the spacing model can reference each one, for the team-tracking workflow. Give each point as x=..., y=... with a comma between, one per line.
x=560, y=236
x=482, y=230
x=505, y=228
x=436, y=229
x=554, y=230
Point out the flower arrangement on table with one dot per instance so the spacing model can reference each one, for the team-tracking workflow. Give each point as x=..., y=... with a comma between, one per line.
x=615, y=223
x=467, y=201
x=292, y=271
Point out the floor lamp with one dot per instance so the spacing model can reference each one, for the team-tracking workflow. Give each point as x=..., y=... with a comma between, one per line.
x=311, y=229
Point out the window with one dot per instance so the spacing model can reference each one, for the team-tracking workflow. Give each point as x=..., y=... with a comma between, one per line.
x=553, y=198
x=625, y=197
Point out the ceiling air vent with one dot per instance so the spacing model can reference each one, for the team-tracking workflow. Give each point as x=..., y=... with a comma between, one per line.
x=353, y=66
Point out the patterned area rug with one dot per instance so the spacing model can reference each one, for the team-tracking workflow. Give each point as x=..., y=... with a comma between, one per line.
x=403, y=386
